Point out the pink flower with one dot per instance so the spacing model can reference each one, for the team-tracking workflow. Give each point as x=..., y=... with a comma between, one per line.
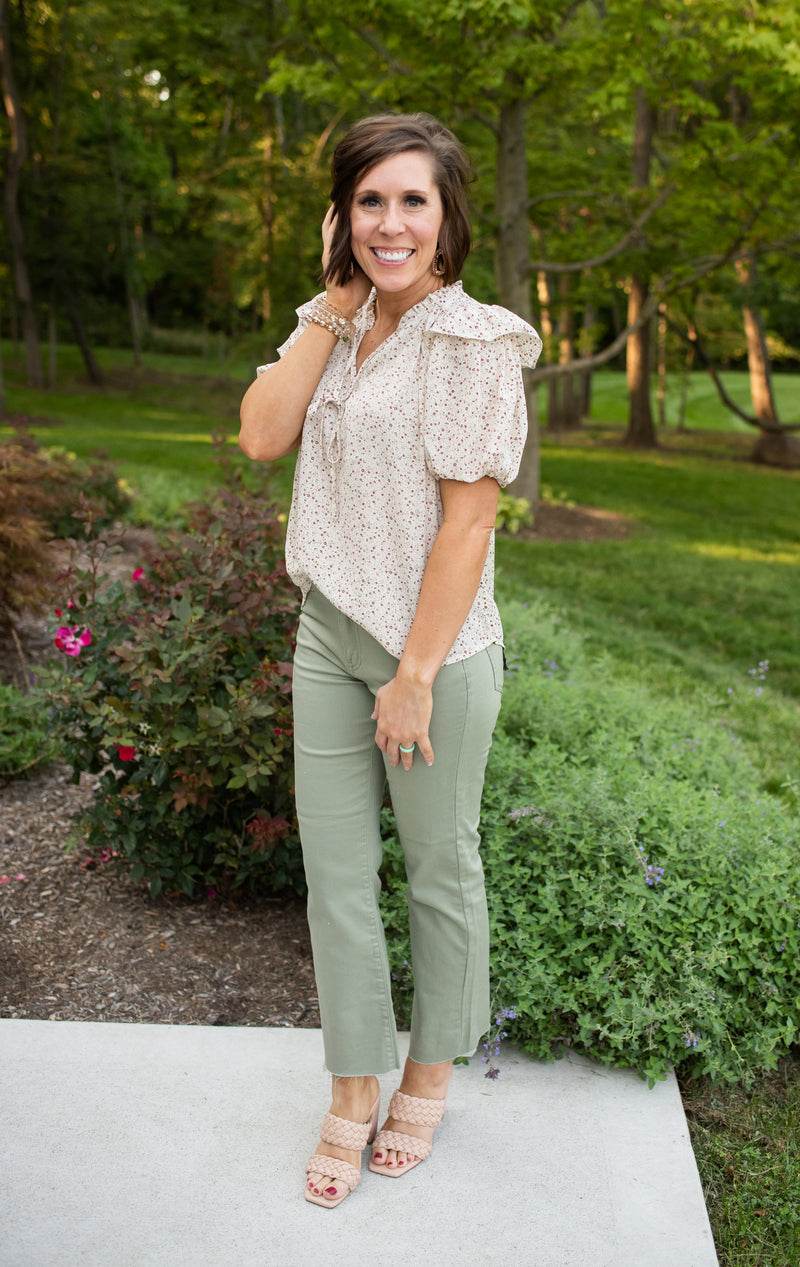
x=58, y=609
x=5, y=879
x=125, y=753
x=137, y=574
x=70, y=640
x=19, y=877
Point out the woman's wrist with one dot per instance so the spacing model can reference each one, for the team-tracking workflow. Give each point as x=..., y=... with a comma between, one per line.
x=416, y=673
x=327, y=314
x=342, y=302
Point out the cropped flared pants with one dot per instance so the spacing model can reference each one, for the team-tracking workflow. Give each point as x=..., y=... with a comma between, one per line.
x=340, y=779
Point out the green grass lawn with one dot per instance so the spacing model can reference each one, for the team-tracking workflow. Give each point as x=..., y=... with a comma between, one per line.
x=703, y=589
x=704, y=409
x=155, y=423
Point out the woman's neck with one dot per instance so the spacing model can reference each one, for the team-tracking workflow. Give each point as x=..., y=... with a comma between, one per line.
x=390, y=306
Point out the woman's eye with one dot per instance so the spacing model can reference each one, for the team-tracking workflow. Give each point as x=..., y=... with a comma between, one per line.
x=369, y=200
x=415, y=200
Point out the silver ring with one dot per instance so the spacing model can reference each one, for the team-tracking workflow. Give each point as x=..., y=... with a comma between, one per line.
x=411, y=749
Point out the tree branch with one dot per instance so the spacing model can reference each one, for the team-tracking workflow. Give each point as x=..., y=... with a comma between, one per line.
x=549, y=266
x=693, y=339
x=660, y=288
x=600, y=358
x=563, y=193
x=391, y=62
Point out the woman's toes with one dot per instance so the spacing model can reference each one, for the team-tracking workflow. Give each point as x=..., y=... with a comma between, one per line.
x=323, y=1184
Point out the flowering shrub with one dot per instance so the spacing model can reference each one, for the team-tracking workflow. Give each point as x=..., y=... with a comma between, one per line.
x=175, y=688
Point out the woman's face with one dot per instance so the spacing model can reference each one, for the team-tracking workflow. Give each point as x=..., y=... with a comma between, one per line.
x=395, y=219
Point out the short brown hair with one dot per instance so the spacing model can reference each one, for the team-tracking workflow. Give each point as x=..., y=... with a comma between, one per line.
x=381, y=136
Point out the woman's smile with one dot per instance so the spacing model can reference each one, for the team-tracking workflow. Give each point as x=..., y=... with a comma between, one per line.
x=391, y=257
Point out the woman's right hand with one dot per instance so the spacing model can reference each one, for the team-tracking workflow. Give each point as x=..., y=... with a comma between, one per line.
x=348, y=298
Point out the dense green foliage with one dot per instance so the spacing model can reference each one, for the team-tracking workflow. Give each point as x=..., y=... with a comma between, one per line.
x=25, y=738
x=39, y=491
x=176, y=689
x=176, y=168
x=644, y=889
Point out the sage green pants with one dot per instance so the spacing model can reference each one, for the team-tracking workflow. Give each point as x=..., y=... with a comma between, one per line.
x=340, y=778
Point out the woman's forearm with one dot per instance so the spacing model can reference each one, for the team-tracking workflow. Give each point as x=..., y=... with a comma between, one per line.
x=274, y=407
x=451, y=581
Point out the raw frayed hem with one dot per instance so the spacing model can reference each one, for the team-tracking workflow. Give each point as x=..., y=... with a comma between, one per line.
x=381, y=1073
x=463, y=1056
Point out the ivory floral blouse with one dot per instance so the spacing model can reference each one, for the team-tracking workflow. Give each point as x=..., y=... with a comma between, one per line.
x=440, y=398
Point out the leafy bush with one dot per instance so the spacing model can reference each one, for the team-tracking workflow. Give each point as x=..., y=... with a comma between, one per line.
x=72, y=482
x=26, y=565
x=175, y=688
x=513, y=513
x=40, y=489
x=644, y=890
x=25, y=741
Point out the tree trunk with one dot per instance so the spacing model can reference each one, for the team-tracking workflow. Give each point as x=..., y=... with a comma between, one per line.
x=2, y=379
x=52, y=347
x=685, y=380
x=81, y=338
x=773, y=448
x=661, y=359
x=641, y=431
x=586, y=346
x=566, y=352
x=512, y=253
x=15, y=161
x=547, y=333
x=757, y=353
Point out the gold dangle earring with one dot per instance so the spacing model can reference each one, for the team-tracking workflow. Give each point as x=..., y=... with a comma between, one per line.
x=438, y=265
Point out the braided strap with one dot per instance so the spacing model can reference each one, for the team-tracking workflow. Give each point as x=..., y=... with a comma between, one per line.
x=415, y=1111
x=344, y=1134
x=335, y=1168
x=402, y=1144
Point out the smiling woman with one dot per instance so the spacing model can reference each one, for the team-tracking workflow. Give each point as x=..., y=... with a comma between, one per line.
x=405, y=396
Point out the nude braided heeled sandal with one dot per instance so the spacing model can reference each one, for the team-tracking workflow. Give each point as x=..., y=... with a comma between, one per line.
x=417, y=1112
x=343, y=1134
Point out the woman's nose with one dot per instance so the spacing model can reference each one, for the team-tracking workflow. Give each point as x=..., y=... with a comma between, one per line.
x=391, y=222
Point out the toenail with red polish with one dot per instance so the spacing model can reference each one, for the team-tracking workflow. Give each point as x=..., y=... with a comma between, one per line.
x=330, y=1192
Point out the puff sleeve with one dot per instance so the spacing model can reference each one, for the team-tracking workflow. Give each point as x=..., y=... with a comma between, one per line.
x=474, y=416
x=303, y=317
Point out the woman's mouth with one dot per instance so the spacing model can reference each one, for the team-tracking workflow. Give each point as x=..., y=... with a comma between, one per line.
x=398, y=256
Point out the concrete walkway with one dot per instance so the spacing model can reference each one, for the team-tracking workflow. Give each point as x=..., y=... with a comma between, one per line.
x=184, y=1146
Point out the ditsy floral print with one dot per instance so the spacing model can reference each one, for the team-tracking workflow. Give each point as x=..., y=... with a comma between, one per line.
x=440, y=398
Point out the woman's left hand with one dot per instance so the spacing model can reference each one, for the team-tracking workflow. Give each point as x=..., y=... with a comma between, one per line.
x=403, y=712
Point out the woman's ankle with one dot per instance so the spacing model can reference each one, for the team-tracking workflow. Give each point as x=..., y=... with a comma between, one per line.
x=426, y=1081
x=354, y=1094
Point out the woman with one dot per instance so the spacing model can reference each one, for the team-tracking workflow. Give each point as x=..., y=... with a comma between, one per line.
x=406, y=399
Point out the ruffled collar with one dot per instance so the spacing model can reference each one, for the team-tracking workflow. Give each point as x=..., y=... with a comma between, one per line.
x=365, y=317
